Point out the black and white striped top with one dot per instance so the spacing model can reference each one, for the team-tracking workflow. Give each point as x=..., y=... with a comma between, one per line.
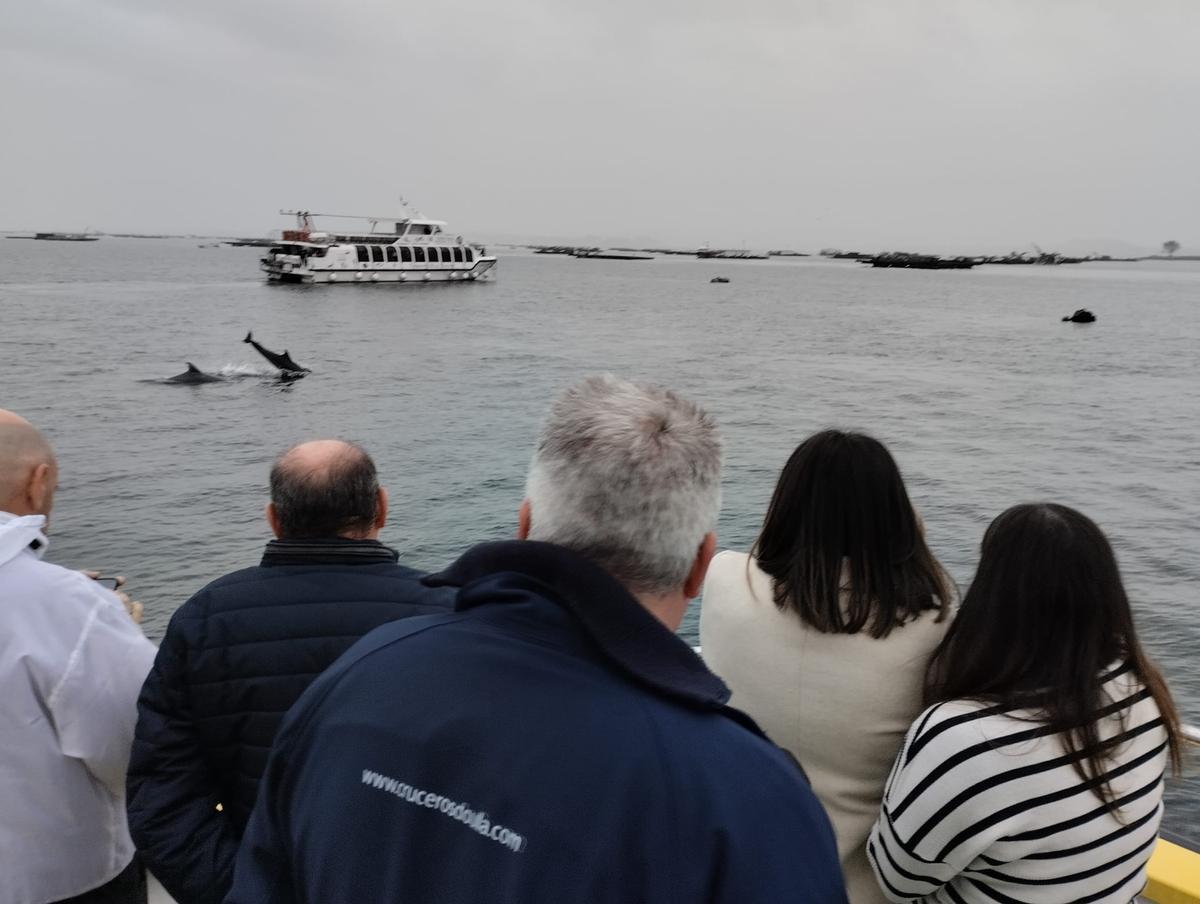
x=984, y=805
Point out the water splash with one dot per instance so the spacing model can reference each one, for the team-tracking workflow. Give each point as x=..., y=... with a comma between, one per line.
x=241, y=371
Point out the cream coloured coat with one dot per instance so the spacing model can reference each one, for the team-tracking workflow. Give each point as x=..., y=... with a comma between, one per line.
x=840, y=703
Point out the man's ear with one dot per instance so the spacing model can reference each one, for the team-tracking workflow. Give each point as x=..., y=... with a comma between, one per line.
x=273, y=518
x=381, y=509
x=524, y=519
x=38, y=489
x=704, y=555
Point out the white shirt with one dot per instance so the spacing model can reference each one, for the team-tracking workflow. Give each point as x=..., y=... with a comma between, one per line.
x=840, y=703
x=71, y=665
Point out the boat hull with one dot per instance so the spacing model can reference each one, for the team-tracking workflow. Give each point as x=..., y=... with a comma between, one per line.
x=377, y=273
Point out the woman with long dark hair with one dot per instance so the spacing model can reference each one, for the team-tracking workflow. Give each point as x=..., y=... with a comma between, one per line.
x=1036, y=774
x=824, y=630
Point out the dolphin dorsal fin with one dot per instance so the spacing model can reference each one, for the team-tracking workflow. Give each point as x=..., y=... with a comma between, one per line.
x=192, y=368
x=249, y=337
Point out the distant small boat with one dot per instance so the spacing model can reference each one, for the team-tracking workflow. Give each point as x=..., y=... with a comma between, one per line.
x=614, y=256
x=905, y=261
x=728, y=255
x=560, y=249
x=59, y=237
x=719, y=279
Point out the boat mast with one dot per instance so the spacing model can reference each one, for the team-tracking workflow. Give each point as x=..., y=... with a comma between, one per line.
x=304, y=217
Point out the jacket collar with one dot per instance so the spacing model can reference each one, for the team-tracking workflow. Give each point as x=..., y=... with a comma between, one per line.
x=329, y=551
x=19, y=533
x=629, y=636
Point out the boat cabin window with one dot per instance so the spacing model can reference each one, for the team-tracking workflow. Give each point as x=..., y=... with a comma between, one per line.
x=363, y=254
x=446, y=256
x=377, y=254
x=405, y=254
x=458, y=254
x=419, y=255
x=391, y=253
x=470, y=254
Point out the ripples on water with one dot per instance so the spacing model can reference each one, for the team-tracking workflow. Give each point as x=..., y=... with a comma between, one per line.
x=983, y=395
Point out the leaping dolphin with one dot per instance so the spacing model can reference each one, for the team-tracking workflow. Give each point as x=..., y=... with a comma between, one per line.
x=283, y=361
x=193, y=374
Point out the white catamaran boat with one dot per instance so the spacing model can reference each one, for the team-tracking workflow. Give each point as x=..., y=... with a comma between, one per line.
x=416, y=251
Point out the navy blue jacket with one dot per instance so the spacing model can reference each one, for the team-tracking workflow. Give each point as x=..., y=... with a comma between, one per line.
x=549, y=741
x=236, y=656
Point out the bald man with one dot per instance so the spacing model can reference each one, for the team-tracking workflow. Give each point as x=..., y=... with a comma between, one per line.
x=243, y=649
x=71, y=664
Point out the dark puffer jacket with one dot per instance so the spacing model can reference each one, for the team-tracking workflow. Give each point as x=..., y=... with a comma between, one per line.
x=236, y=656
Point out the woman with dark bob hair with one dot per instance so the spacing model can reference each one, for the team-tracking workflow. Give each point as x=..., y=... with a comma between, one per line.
x=1036, y=775
x=824, y=630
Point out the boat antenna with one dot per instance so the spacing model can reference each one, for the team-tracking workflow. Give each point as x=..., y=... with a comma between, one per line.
x=412, y=212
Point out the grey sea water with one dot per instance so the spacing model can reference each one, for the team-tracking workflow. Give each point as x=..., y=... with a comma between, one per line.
x=984, y=396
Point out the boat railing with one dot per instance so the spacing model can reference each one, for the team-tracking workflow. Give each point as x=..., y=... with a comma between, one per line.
x=1173, y=873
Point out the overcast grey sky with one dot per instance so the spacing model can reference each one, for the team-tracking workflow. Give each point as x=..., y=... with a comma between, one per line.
x=900, y=123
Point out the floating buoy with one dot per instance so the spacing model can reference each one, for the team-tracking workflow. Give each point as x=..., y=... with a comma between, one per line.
x=333, y=277
x=358, y=276
x=374, y=277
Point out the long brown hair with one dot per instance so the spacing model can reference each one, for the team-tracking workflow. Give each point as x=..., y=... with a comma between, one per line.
x=840, y=504
x=1044, y=618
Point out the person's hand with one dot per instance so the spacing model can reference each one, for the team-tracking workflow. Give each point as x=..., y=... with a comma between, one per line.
x=132, y=606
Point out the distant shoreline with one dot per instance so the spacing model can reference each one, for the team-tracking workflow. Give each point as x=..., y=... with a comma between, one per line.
x=24, y=233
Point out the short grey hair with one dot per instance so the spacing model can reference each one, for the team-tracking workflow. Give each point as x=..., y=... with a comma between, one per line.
x=628, y=475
